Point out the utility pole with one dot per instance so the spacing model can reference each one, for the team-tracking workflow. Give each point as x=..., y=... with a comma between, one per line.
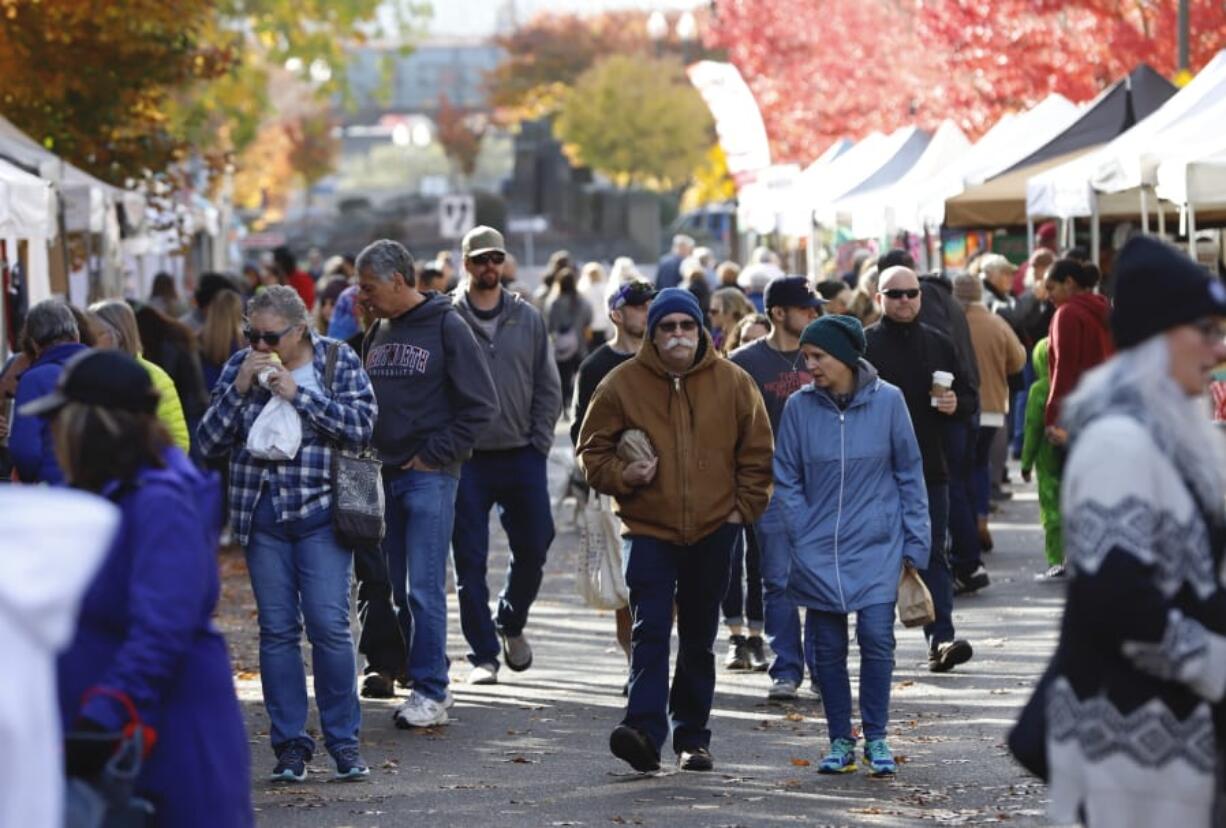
x=1184, y=62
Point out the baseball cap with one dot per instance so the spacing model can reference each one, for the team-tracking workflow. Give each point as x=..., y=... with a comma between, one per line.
x=111, y=379
x=637, y=292
x=482, y=239
x=791, y=292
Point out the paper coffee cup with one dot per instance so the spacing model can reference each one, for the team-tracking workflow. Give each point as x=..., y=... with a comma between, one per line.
x=942, y=381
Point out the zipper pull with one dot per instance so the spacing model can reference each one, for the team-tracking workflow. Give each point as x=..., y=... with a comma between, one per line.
x=841, y=416
x=677, y=384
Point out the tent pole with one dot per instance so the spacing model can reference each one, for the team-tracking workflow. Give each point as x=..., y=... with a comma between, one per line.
x=1144, y=211
x=1095, y=228
x=1161, y=218
x=1029, y=236
x=1191, y=230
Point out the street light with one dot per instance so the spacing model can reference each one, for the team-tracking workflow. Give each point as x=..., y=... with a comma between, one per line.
x=657, y=29
x=687, y=30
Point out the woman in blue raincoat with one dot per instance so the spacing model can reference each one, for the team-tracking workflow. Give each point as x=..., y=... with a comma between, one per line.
x=145, y=648
x=850, y=481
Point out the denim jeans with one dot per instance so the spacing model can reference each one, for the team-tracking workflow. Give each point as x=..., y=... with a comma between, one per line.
x=982, y=476
x=514, y=480
x=937, y=576
x=782, y=621
x=743, y=601
x=875, y=634
x=965, y=555
x=420, y=514
x=693, y=578
x=299, y=573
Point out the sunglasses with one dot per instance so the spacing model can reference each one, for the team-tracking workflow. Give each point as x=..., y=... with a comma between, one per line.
x=271, y=337
x=488, y=258
x=686, y=325
x=899, y=293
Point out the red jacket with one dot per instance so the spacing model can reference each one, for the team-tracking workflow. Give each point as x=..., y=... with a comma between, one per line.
x=300, y=281
x=1080, y=340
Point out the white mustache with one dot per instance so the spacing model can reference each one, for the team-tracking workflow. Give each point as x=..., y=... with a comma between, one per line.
x=680, y=341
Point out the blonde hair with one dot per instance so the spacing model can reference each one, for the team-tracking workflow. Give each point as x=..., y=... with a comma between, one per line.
x=223, y=326
x=737, y=337
x=119, y=316
x=733, y=304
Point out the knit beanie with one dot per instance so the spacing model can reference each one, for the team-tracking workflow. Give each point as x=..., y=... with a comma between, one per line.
x=840, y=336
x=967, y=289
x=1158, y=287
x=672, y=300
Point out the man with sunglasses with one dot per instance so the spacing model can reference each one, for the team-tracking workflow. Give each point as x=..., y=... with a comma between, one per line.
x=682, y=511
x=906, y=352
x=508, y=464
x=778, y=369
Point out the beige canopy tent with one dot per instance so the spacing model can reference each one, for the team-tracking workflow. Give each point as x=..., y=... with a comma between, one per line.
x=1000, y=201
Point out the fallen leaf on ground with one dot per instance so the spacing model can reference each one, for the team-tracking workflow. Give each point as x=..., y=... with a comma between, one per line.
x=801, y=763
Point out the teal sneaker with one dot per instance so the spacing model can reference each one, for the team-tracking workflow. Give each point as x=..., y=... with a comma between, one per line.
x=841, y=758
x=879, y=757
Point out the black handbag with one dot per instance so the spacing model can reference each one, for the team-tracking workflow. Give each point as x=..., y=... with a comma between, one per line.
x=106, y=799
x=357, y=485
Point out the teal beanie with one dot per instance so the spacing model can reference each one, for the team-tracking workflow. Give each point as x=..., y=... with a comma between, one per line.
x=840, y=336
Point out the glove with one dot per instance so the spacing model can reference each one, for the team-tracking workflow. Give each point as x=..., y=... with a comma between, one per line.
x=88, y=747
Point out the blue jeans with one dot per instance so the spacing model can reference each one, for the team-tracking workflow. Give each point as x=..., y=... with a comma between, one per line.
x=875, y=634
x=965, y=555
x=693, y=578
x=937, y=576
x=300, y=573
x=514, y=480
x=420, y=515
x=743, y=601
x=781, y=620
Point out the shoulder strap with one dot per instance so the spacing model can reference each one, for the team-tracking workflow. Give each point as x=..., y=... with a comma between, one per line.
x=330, y=364
x=367, y=337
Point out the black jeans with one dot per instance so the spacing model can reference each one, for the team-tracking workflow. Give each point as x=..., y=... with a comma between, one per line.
x=381, y=641
x=743, y=601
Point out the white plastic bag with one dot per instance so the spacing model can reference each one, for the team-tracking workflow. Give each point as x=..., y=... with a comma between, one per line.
x=276, y=433
x=602, y=585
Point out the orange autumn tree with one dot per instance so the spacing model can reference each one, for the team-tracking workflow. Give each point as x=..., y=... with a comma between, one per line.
x=825, y=69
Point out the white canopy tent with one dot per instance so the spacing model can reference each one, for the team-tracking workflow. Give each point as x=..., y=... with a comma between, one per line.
x=27, y=204
x=852, y=169
x=1014, y=137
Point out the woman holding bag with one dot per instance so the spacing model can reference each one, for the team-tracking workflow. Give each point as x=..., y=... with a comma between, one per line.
x=281, y=512
x=848, y=558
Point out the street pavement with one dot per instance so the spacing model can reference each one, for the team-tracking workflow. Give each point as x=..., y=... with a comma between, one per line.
x=533, y=750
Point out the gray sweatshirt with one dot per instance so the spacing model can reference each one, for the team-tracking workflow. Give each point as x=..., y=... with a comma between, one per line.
x=520, y=359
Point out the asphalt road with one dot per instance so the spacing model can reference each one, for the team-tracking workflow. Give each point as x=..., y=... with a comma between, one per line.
x=533, y=751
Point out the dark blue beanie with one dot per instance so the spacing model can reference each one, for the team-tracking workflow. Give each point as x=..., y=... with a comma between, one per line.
x=840, y=336
x=672, y=300
x=1158, y=287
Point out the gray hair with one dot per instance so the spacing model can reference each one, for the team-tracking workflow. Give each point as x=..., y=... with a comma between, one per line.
x=51, y=321
x=386, y=258
x=682, y=244
x=280, y=300
x=993, y=262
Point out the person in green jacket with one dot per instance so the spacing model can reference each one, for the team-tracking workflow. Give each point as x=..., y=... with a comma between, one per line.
x=1040, y=455
x=117, y=329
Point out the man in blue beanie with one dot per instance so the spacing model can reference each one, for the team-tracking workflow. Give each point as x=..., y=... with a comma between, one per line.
x=682, y=502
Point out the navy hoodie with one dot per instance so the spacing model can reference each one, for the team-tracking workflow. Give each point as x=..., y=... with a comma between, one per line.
x=434, y=390
x=30, y=438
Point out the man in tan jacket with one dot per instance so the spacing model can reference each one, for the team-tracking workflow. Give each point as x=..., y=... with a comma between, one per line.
x=681, y=512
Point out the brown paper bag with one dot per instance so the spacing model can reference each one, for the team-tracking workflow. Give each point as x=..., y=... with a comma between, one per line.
x=915, y=608
x=635, y=445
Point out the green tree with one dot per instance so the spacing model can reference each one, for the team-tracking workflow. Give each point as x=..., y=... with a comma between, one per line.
x=636, y=120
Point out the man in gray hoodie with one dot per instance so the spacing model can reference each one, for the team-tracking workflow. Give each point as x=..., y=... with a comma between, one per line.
x=435, y=397
x=508, y=465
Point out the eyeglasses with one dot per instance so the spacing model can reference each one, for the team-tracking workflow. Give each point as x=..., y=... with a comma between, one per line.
x=687, y=325
x=1210, y=330
x=271, y=337
x=899, y=293
x=483, y=259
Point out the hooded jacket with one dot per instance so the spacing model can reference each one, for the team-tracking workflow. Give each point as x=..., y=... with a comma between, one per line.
x=30, y=437
x=520, y=360
x=432, y=385
x=710, y=431
x=850, y=484
x=1080, y=340
x=999, y=355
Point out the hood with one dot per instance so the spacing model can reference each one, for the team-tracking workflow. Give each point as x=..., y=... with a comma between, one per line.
x=650, y=357
x=436, y=305
x=867, y=383
x=939, y=280
x=1040, y=359
x=1094, y=305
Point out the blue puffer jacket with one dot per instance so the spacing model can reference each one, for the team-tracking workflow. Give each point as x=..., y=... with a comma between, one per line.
x=146, y=630
x=30, y=438
x=850, y=485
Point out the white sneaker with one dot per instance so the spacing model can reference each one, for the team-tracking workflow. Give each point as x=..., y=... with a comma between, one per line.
x=420, y=711
x=782, y=690
x=448, y=699
x=484, y=674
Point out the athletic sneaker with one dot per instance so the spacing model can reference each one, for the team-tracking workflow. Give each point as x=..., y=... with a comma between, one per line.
x=758, y=662
x=484, y=674
x=1055, y=573
x=738, y=653
x=350, y=765
x=841, y=758
x=633, y=747
x=516, y=652
x=879, y=757
x=695, y=759
x=947, y=655
x=378, y=686
x=782, y=690
x=972, y=582
x=291, y=763
x=420, y=711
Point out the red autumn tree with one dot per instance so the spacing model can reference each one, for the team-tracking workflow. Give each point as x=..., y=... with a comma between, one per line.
x=824, y=69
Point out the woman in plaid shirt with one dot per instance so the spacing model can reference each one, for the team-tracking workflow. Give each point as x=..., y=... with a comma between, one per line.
x=282, y=516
